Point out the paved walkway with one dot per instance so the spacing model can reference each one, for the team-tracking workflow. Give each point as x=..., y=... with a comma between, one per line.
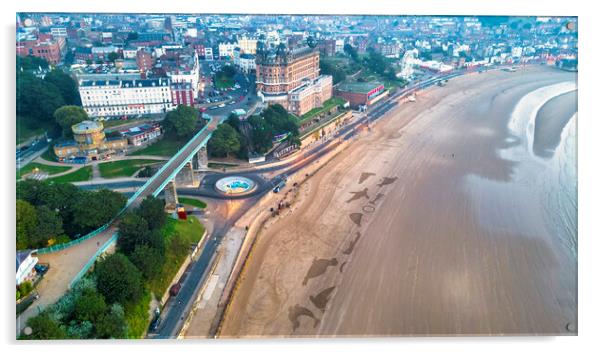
x=64, y=266
x=204, y=309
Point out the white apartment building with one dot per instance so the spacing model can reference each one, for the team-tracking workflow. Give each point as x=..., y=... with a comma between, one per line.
x=125, y=97
x=247, y=45
x=58, y=31
x=188, y=73
x=208, y=53
x=226, y=50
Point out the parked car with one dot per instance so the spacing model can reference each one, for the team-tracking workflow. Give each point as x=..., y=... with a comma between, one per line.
x=221, y=105
x=154, y=325
x=41, y=269
x=175, y=289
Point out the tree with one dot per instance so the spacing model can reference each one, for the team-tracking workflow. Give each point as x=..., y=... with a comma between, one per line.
x=181, y=122
x=148, y=260
x=26, y=223
x=134, y=230
x=96, y=208
x=233, y=121
x=48, y=225
x=89, y=306
x=351, y=51
x=223, y=141
x=338, y=75
x=118, y=279
x=66, y=85
x=68, y=116
x=44, y=327
x=31, y=63
x=261, y=134
x=152, y=210
x=112, y=324
x=132, y=36
x=36, y=98
x=112, y=56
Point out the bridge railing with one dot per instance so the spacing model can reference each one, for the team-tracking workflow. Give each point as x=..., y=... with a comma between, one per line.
x=181, y=165
x=160, y=171
x=92, y=260
x=62, y=246
x=94, y=233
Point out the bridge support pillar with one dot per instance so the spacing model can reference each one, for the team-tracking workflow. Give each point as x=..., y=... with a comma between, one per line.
x=187, y=174
x=171, y=196
x=202, y=159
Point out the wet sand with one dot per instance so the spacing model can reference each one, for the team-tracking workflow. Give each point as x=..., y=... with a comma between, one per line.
x=387, y=239
x=550, y=121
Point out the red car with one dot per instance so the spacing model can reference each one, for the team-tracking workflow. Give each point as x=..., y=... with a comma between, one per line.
x=175, y=289
x=203, y=109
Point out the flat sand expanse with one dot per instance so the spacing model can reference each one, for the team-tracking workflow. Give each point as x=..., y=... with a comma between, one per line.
x=388, y=240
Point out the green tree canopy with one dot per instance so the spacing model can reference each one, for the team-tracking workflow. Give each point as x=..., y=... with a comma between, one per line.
x=49, y=224
x=118, y=279
x=69, y=115
x=90, y=306
x=134, y=230
x=27, y=221
x=261, y=134
x=223, y=141
x=181, y=122
x=112, y=324
x=148, y=260
x=96, y=208
x=31, y=63
x=37, y=98
x=338, y=74
x=113, y=56
x=351, y=51
x=152, y=210
x=66, y=85
x=44, y=327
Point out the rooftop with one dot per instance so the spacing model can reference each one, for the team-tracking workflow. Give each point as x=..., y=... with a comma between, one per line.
x=359, y=87
x=85, y=126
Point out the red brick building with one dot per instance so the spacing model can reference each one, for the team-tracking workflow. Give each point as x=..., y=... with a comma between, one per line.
x=50, y=50
x=357, y=94
x=144, y=61
x=182, y=94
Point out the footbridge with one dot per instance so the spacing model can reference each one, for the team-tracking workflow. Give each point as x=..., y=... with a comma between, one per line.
x=179, y=169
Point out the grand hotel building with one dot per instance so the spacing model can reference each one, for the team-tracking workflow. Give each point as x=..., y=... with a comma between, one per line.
x=291, y=78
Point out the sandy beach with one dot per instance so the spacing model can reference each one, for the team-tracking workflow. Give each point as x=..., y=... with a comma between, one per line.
x=420, y=227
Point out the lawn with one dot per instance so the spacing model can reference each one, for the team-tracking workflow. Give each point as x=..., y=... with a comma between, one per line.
x=82, y=174
x=192, y=202
x=190, y=232
x=123, y=168
x=224, y=82
x=329, y=104
x=119, y=122
x=49, y=154
x=136, y=316
x=213, y=165
x=50, y=169
x=165, y=147
x=24, y=133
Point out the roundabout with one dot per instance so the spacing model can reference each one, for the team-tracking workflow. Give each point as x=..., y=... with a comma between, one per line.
x=235, y=185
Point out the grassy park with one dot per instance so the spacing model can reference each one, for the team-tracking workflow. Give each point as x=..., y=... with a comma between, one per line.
x=192, y=202
x=176, y=233
x=329, y=104
x=164, y=147
x=33, y=166
x=123, y=168
x=82, y=174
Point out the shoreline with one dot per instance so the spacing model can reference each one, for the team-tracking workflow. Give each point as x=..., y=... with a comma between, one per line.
x=420, y=260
